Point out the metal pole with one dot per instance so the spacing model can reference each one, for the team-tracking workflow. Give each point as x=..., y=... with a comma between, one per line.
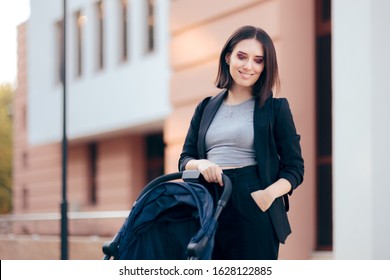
x=64, y=204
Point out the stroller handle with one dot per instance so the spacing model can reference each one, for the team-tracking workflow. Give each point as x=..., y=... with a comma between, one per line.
x=194, y=176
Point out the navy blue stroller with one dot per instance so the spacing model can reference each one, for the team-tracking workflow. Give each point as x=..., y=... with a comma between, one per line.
x=170, y=220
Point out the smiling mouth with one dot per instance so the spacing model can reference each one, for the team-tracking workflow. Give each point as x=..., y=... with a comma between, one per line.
x=245, y=75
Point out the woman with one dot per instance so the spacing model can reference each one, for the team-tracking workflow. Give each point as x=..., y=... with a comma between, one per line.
x=250, y=136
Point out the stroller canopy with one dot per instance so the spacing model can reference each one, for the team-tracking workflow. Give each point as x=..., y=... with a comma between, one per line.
x=164, y=220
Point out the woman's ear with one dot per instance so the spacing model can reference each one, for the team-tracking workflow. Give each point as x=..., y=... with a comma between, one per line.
x=227, y=58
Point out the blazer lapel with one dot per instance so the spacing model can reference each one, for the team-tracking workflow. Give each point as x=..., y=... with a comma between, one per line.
x=261, y=123
x=208, y=114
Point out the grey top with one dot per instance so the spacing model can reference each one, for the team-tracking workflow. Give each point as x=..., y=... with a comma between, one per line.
x=230, y=137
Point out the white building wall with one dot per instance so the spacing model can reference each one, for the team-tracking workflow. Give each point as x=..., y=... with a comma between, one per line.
x=361, y=117
x=121, y=96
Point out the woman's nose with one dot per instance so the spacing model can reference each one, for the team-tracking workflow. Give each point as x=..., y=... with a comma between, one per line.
x=248, y=65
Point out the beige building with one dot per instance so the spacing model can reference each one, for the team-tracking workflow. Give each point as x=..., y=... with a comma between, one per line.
x=111, y=160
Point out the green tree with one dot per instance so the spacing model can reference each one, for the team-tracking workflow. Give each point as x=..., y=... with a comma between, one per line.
x=6, y=94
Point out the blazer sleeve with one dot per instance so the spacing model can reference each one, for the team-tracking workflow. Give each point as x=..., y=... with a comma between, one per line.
x=190, y=150
x=288, y=145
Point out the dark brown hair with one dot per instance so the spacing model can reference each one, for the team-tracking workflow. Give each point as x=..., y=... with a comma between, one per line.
x=269, y=78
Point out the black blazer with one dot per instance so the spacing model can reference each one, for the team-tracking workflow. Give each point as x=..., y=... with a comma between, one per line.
x=277, y=148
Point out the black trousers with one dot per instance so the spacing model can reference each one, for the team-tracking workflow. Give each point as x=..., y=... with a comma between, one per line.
x=244, y=231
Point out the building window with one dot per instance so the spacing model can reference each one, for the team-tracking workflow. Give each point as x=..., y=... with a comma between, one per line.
x=100, y=34
x=92, y=182
x=154, y=156
x=79, y=24
x=25, y=160
x=324, y=148
x=59, y=30
x=150, y=44
x=326, y=10
x=323, y=17
x=24, y=117
x=123, y=30
x=25, y=198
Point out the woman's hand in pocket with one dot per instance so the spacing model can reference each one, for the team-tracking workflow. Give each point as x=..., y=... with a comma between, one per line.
x=263, y=199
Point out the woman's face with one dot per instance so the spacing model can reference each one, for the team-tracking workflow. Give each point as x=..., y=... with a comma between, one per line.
x=246, y=62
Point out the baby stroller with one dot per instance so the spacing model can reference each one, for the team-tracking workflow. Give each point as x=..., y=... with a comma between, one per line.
x=171, y=220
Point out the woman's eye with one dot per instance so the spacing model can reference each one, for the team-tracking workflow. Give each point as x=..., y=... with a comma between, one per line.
x=241, y=57
x=259, y=60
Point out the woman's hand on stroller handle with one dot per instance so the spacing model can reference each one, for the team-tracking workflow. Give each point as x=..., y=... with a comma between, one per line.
x=211, y=172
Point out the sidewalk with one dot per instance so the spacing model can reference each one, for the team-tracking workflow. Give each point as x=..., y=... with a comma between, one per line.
x=41, y=247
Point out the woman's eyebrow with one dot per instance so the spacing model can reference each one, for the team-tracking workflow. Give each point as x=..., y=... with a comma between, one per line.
x=241, y=52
